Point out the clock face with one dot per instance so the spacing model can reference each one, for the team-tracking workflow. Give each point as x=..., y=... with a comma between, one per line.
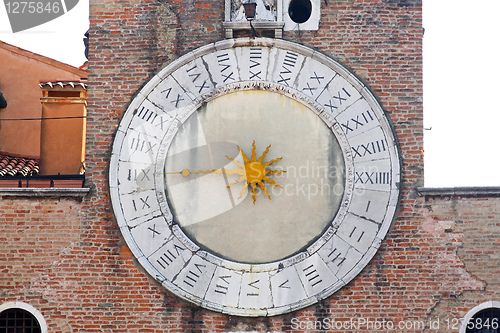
x=254, y=177
x=231, y=221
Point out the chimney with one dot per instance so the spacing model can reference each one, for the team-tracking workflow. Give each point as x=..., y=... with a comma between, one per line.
x=64, y=123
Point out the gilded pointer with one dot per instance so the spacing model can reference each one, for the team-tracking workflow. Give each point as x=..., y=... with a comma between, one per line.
x=253, y=171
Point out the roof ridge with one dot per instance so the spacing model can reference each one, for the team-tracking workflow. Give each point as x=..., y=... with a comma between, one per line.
x=52, y=62
x=28, y=157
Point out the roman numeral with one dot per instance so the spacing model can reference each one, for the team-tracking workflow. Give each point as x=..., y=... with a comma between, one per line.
x=360, y=120
x=311, y=89
x=227, y=77
x=256, y=289
x=369, y=148
x=283, y=80
x=284, y=285
x=289, y=61
x=147, y=115
x=318, y=78
x=356, y=236
x=331, y=106
x=142, y=203
x=153, y=230
x=255, y=56
x=141, y=145
x=193, y=276
x=255, y=53
x=222, y=288
x=257, y=75
x=202, y=86
x=337, y=99
x=336, y=255
x=340, y=98
x=135, y=174
x=193, y=75
x=150, y=117
x=177, y=99
x=312, y=275
x=372, y=178
x=169, y=256
x=168, y=90
x=221, y=59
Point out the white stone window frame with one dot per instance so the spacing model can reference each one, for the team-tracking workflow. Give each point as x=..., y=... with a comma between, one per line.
x=475, y=310
x=26, y=307
x=283, y=20
x=311, y=24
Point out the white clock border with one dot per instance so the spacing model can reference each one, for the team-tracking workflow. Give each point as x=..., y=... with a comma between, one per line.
x=149, y=125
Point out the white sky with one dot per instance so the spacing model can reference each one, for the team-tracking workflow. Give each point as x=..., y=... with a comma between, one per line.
x=461, y=71
x=60, y=39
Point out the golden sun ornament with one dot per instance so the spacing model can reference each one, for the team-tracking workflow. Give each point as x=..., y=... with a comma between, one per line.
x=254, y=172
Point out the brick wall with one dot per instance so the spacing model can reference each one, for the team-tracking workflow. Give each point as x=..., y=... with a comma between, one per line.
x=39, y=263
x=379, y=40
x=83, y=279
x=89, y=281
x=470, y=220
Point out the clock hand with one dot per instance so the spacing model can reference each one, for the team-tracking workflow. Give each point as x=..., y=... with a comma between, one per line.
x=186, y=172
x=253, y=171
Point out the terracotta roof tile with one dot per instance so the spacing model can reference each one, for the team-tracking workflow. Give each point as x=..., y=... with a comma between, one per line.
x=18, y=166
x=63, y=84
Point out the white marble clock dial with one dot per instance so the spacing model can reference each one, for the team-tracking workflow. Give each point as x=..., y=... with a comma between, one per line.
x=254, y=176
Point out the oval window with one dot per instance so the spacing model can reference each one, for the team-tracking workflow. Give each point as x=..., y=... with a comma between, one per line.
x=300, y=10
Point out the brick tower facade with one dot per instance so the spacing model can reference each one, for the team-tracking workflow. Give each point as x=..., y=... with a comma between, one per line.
x=65, y=256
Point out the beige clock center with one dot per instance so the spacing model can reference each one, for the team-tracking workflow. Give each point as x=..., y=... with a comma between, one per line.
x=223, y=219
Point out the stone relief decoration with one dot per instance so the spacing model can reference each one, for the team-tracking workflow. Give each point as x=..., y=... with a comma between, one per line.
x=266, y=10
x=269, y=16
